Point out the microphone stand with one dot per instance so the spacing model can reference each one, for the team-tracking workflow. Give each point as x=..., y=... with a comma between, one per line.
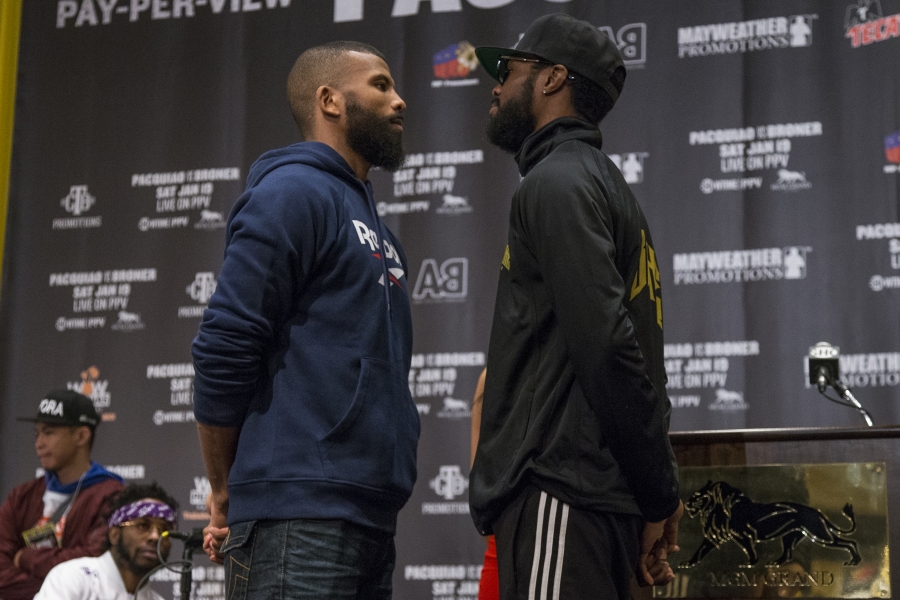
x=847, y=395
x=193, y=543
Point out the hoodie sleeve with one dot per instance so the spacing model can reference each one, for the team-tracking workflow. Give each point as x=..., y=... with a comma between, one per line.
x=276, y=234
x=572, y=234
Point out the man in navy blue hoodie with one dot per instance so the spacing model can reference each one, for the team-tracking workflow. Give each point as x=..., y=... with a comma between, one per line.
x=306, y=424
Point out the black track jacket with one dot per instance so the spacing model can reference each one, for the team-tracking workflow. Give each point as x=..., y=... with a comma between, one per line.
x=575, y=400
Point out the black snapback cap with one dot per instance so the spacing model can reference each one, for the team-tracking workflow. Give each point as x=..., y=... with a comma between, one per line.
x=65, y=407
x=564, y=40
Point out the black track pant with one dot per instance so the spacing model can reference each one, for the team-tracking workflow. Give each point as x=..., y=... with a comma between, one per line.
x=547, y=550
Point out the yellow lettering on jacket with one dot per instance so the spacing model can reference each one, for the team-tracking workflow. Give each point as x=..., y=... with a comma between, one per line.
x=647, y=276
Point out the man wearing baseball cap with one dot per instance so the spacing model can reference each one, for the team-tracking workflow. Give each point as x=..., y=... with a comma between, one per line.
x=59, y=516
x=574, y=473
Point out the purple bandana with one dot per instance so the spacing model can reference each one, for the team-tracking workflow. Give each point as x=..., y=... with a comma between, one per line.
x=143, y=508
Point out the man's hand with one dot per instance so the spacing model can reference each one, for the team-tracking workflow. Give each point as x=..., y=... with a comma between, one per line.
x=18, y=557
x=219, y=446
x=657, y=541
x=215, y=533
x=670, y=530
x=656, y=565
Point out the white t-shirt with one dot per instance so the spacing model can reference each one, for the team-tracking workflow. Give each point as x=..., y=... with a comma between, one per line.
x=52, y=501
x=89, y=579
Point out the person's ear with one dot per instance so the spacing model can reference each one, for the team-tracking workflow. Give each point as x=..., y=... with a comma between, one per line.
x=554, y=79
x=114, y=534
x=83, y=436
x=330, y=102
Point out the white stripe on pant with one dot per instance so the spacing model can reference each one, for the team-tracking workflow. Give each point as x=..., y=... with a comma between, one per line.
x=544, y=566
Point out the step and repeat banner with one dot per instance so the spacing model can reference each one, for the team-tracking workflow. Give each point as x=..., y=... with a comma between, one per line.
x=762, y=139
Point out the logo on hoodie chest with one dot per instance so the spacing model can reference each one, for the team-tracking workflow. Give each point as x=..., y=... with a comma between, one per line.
x=370, y=238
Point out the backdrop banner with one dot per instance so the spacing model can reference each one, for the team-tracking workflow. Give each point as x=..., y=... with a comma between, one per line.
x=761, y=138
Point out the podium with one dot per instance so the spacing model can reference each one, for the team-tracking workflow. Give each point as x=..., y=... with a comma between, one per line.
x=848, y=560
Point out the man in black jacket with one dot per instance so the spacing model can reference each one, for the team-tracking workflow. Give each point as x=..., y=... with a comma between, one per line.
x=574, y=473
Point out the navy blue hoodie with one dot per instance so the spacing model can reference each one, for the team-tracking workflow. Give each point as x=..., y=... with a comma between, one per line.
x=306, y=347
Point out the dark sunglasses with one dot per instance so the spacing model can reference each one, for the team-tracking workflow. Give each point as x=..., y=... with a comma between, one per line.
x=503, y=66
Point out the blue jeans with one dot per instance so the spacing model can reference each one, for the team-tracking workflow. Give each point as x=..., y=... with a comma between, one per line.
x=307, y=558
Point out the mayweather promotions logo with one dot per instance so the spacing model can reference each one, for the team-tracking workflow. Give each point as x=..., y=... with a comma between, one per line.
x=760, y=264
x=770, y=33
x=631, y=164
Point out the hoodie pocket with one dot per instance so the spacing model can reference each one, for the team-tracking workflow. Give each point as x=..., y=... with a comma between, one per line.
x=374, y=444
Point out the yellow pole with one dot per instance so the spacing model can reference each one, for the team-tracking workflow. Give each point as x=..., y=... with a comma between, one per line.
x=10, y=21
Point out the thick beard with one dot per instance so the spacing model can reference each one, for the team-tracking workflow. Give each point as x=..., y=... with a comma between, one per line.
x=372, y=137
x=129, y=562
x=512, y=123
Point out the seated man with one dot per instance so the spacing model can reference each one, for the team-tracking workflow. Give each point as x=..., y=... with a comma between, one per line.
x=141, y=517
x=57, y=517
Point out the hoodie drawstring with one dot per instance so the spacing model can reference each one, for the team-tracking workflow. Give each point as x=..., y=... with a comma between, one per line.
x=381, y=243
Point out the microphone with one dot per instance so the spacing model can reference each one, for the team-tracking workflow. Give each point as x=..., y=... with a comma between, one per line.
x=823, y=363
x=193, y=539
x=192, y=542
x=822, y=379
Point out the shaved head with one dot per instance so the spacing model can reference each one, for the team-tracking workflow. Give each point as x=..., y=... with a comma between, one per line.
x=318, y=66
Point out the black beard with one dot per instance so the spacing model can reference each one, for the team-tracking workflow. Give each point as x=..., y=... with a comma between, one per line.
x=372, y=137
x=129, y=562
x=512, y=123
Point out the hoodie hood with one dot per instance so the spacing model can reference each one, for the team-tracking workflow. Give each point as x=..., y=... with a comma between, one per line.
x=315, y=154
x=95, y=474
x=542, y=142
